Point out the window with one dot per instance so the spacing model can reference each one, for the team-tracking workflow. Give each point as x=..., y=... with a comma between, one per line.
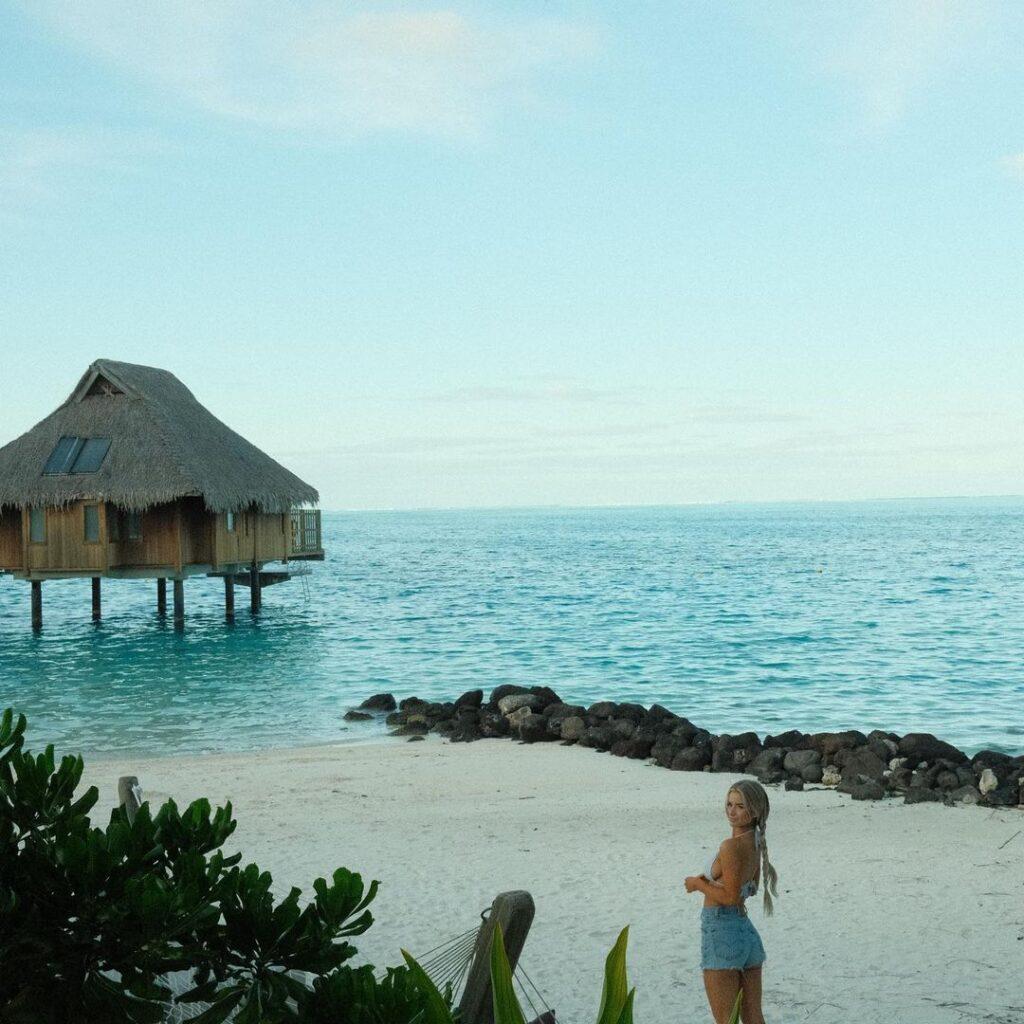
x=37, y=525
x=231, y=522
x=92, y=524
x=133, y=525
x=77, y=455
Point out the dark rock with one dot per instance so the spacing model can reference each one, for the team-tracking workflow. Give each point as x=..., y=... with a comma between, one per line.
x=766, y=759
x=411, y=704
x=687, y=731
x=493, y=725
x=512, y=702
x=868, y=790
x=899, y=780
x=812, y=773
x=770, y=776
x=623, y=728
x=466, y=732
x=435, y=712
x=444, y=727
x=602, y=709
x=564, y=711
x=798, y=760
x=533, y=728
x=635, y=713
x=963, y=795
x=619, y=748
x=994, y=759
x=923, y=746
x=861, y=764
x=573, y=729
x=1001, y=796
x=379, y=702
x=545, y=695
x=639, y=747
x=734, y=753
x=828, y=744
x=920, y=795
x=947, y=780
x=795, y=783
x=470, y=699
x=395, y=718
x=691, y=759
x=358, y=716
x=666, y=747
x=600, y=737
x=505, y=690
x=657, y=713
x=411, y=729
x=414, y=739
x=882, y=747
x=792, y=740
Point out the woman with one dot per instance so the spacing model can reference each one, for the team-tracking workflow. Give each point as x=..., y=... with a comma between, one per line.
x=731, y=950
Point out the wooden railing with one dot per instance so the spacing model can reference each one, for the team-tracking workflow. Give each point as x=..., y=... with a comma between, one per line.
x=306, y=536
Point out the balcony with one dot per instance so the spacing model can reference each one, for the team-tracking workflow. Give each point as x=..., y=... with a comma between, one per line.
x=306, y=535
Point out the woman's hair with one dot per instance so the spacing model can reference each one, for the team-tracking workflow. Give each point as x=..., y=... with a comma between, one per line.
x=756, y=800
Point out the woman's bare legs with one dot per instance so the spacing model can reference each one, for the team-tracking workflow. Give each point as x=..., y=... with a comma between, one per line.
x=721, y=987
x=750, y=982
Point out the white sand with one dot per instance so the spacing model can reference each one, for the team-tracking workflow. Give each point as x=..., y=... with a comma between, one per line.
x=887, y=913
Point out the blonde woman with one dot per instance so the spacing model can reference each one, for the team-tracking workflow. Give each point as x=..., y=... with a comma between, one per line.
x=730, y=948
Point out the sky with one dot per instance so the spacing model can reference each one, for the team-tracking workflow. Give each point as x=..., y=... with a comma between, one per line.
x=518, y=254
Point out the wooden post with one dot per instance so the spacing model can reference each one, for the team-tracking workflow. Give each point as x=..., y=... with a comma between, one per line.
x=97, y=610
x=129, y=794
x=229, y=597
x=161, y=597
x=179, y=604
x=255, y=591
x=37, y=604
x=514, y=912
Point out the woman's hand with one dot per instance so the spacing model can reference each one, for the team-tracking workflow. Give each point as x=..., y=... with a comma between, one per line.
x=693, y=883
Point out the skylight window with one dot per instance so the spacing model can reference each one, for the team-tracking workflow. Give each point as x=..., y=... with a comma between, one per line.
x=77, y=455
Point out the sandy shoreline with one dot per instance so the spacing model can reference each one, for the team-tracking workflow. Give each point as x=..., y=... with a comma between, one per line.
x=888, y=913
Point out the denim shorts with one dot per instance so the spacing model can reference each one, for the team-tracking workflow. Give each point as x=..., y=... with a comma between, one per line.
x=728, y=940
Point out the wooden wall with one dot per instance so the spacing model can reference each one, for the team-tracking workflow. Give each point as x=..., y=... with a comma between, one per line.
x=267, y=538
x=65, y=547
x=10, y=538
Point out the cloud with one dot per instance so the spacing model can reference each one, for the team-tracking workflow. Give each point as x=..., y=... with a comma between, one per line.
x=300, y=65
x=559, y=391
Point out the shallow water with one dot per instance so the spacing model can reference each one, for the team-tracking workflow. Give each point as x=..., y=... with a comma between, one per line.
x=898, y=615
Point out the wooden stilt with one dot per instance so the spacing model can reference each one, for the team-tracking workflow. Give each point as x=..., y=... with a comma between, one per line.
x=229, y=598
x=97, y=608
x=255, y=590
x=161, y=598
x=179, y=604
x=37, y=604
x=514, y=912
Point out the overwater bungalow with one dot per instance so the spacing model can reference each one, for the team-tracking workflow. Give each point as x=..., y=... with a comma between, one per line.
x=131, y=478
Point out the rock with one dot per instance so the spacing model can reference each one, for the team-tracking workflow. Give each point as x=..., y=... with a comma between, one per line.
x=470, y=699
x=991, y=759
x=987, y=782
x=414, y=739
x=493, y=725
x=795, y=783
x=798, y=760
x=734, y=753
x=545, y=695
x=691, y=759
x=623, y=728
x=921, y=795
x=666, y=747
x=1002, y=796
x=600, y=737
x=358, y=716
x=639, y=747
x=395, y=718
x=687, y=731
x=898, y=762
x=554, y=711
x=659, y=714
x=602, y=709
x=533, y=728
x=868, y=790
x=828, y=744
x=505, y=690
x=379, y=702
x=830, y=775
x=812, y=773
x=411, y=729
x=411, y=704
x=635, y=713
x=963, y=795
x=791, y=740
x=861, y=764
x=573, y=729
x=899, y=780
x=881, y=746
x=515, y=718
x=771, y=758
x=466, y=732
x=444, y=727
x=514, y=701
x=438, y=710
x=947, y=780
x=923, y=746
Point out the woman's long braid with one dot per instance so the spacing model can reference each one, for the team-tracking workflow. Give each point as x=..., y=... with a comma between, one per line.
x=769, y=875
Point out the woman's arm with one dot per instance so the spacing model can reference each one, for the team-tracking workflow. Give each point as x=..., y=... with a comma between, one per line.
x=725, y=892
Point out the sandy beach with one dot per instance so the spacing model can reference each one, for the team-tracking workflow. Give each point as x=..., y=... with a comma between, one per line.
x=887, y=913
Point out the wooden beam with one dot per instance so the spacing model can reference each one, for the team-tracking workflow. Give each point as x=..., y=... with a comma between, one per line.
x=161, y=597
x=255, y=589
x=179, y=604
x=229, y=598
x=514, y=912
x=37, y=605
x=97, y=608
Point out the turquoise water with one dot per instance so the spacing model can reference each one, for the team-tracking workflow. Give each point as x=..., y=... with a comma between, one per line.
x=896, y=615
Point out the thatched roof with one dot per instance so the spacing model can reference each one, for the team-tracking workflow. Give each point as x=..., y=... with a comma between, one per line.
x=164, y=446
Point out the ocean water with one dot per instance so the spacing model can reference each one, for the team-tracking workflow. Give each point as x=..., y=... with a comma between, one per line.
x=896, y=615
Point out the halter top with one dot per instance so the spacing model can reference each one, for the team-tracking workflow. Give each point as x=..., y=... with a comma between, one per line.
x=748, y=889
